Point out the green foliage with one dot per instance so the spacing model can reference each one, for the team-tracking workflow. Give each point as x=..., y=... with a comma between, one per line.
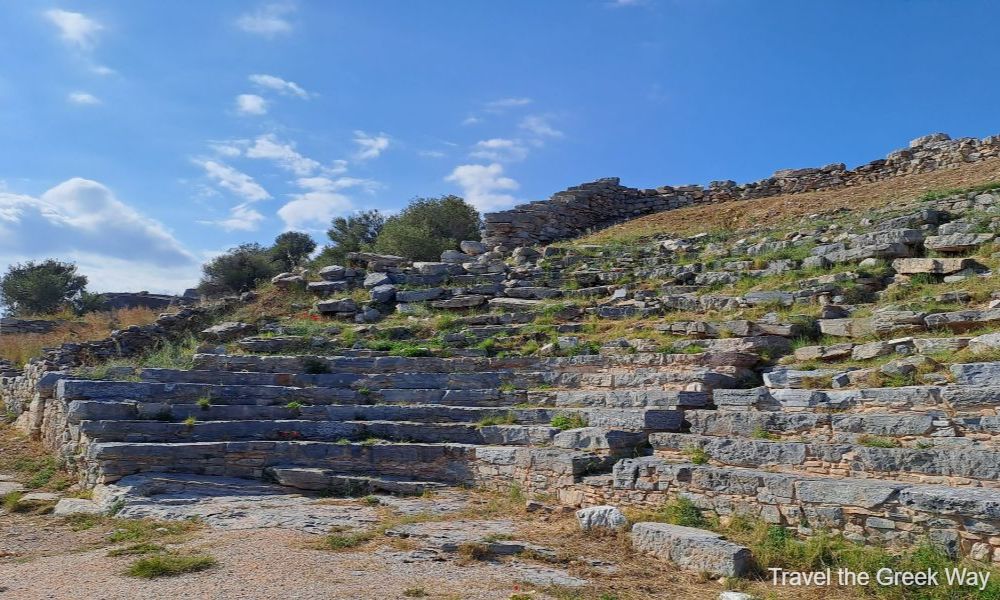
x=171, y=355
x=40, y=287
x=346, y=540
x=759, y=433
x=137, y=550
x=874, y=441
x=350, y=234
x=238, y=270
x=508, y=418
x=569, y=421
x=170, y=564
x=697, y=455
x=682, y=511
x=428, y=227
x=290, y=249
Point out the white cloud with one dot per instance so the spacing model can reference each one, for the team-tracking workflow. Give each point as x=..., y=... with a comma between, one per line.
x=314, y=210
x=325, y=184
x=500, y=149
x=505, y=103
x=279, y=85
x=113, y=244
x=268, y=20
x=337, y=167
x=102, y=70
x=431, y=153
x=539, y=126
x=269, y=147
x=471, y=120
x=251, y=104
x=483, y=186
x=227, y=149
x=233, y=180
x=370, y=146
x=83, y=98
x=75, y=28
x=241, y=218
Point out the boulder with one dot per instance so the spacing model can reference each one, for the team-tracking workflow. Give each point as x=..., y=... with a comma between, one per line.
x=228, y=331
x=344, y=305
x=533, y=293
x=601, y=517
x=692, y=549
x=957, y=242
x=325, y=288
x=467, y=301
x=287, y=281
x=67, y=507
x=384, y=293
x=933, y=266
x=332, y=273
x=419, y=295
x=455, y=257
x=472, y=247
x=376, y=279
x=431, y=268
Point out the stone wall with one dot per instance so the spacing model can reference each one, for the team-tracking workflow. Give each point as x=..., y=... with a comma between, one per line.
x=590, y=206
x=25, y=397
x=15, y=326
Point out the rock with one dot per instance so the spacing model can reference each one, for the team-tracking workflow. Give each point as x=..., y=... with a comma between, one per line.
x=815, y=262
x=67, y=507
x=332, y=273
x=376, y=262
x=376, y=279
x=459, y=302
x=934, y=266
x=455, y=257
x=7, y=487
x=533, y=293
x=514, y=304
x=472, y=247
x=431, y=268
x=735, y=596
x=957, y=242
x=383, y=294
x=692, y=549
x=985, y=342
x=287, y=281
x=228, y=331
x=598, y=438
x=325, y=288
x=832, y=353
x=345, y=305
x=419, y=295
x=601, y=517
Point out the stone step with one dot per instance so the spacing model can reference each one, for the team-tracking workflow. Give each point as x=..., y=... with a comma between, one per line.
x=327, y=481
x=318, y=431
x=627, y=398
x=631, y=419
x=448, y=463
x=953, y=399
x=913, y=428
x=956, y=465
x=871, y=510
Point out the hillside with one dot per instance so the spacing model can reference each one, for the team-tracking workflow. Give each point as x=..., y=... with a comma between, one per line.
x=796, y=381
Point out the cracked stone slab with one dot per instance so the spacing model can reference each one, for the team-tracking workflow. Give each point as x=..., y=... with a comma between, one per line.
x=229, y=503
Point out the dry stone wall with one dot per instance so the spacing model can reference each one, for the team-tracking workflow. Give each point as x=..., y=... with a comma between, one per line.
x=588, y=206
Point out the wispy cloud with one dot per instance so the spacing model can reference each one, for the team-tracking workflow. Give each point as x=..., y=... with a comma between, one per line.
x=241, y=218
x=471, y=120
x=314, y=210
x=76, y=29
x=83, y=98
x=484, y=186
x=277, y=84
x=233, y=180
x=325, y=184
x=370, y=146
x=503, y=104
x=539, y=126
x=500, y=149
x=268, y=20
x=251, y=104
x=269, y=147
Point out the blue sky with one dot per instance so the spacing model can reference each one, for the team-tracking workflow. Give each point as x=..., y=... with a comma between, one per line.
x=139, y=138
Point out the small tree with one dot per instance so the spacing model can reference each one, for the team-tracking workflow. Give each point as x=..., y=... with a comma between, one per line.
x=238, y=270
x=40, y=288
x=291, y=248
x=428, y=227
x=351, y=234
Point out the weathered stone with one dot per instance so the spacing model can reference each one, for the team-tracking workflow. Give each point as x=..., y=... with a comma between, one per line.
x=691, y=549
x=345, y=305
x=332, y=273
x=472, y=247
x=228, y=331
x=957, y=242
x=601, y=517
x=467, y=301
x=383, y=294
x=935, y=266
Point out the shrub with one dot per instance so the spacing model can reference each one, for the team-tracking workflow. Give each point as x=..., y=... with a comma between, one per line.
x=508, y=418
x=874, y=441
x=682, y=511
x=573, y=421
x=238, y=270
x=290, y=249
x=343, y=541
x=40, y=288
x=428, y=227
x=170, y=564
x=350, y=234
x=697, y=455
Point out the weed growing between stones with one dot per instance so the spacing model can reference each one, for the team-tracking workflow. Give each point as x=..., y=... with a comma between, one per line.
x=573, y=421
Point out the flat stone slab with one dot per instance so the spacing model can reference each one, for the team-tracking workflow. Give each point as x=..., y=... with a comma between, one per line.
x=8, y=487
x=229, y=503
x=691, y=549
x=68, y=507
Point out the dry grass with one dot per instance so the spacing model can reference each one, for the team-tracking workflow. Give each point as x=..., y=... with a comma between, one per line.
x=19, y=349
x=30, y=462
x=745, y=214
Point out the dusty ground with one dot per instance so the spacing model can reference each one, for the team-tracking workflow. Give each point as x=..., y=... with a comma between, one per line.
x=745, y=214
